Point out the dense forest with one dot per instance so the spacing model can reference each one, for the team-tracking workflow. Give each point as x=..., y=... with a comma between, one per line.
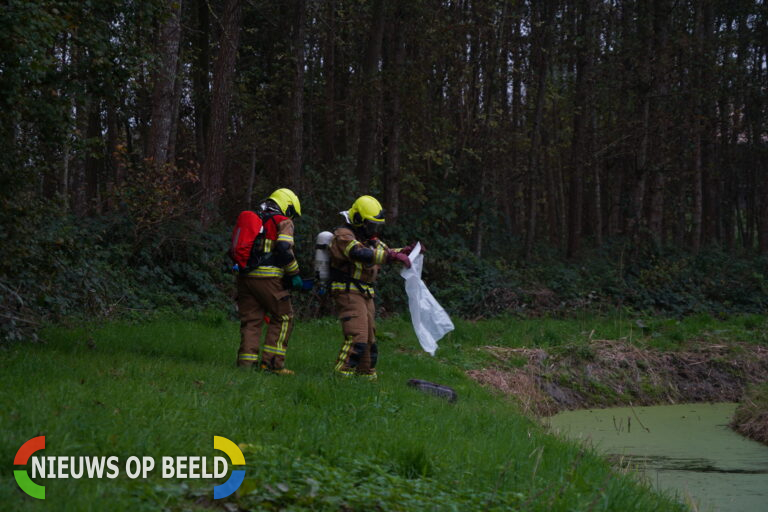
x=568, y=150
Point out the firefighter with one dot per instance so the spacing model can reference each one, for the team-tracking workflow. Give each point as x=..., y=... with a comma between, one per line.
x=262, y=290
x=356, y=258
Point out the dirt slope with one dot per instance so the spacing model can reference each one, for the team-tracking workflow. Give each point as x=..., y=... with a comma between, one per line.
x=613, y=373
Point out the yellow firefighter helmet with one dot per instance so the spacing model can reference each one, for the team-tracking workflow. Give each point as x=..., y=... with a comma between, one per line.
x=366, y=209
x=287, y=201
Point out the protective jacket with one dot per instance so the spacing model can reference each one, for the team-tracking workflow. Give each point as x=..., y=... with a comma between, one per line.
x=275, y=249
x=355, y=264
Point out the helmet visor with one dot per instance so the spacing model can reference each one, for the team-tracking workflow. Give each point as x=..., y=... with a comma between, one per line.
x=378, y=218
x=373, y=229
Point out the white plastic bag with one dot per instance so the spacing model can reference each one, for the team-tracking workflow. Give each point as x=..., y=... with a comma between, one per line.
x=430, y=321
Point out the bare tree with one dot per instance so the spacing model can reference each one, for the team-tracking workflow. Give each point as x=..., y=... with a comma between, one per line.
x=395, y=75
x=297, y=133
x=370, y=87
x=164, y=85
x=223, y=75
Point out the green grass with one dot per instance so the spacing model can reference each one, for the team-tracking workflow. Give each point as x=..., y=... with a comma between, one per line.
x=167, y=386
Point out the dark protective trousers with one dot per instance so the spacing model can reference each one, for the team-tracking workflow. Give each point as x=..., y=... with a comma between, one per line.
x=359, y=351
x=257, y=297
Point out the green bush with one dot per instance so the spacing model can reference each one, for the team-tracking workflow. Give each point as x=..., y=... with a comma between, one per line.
x=99, y=268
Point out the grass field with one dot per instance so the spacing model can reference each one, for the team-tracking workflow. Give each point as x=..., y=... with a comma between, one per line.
x=311, y=441
x=573, y=332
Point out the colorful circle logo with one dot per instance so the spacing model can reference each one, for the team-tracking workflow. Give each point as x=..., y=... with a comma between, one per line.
x=237, y=476
x=22, y=476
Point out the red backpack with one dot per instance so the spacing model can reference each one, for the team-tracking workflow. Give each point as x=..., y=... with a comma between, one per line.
x=248, y=228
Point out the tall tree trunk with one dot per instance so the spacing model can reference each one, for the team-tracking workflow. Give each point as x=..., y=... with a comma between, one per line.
x=542, y=42
x=616, y=192
x=68, y=52
x=517, y=75
x=395, y=75
x=598, y=187
x=504, y=191
x=223, y=74
x=164, y=85
x=553, y=175
x=80, y=154
x=581, y=117
x=174, y=130
x=141, y=142
x=763, y=164
x=477, y=242
x=517, y=211
x=297, y=132
x=329, y=87
x=251, y=179
x=92, y=161
x=696, y=185
x=656, y=207
x=116, y=166
x=661, y=153
x=763, y=220
x=725, y=165
x=367, y=124
x=697, y=177
x=200, y=80
x=712, y=200
x=646, y=34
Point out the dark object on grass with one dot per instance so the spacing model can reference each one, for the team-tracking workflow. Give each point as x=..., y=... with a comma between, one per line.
x=434, y=389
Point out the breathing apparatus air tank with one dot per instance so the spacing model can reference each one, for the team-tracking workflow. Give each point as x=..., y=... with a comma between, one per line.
x=323, y=257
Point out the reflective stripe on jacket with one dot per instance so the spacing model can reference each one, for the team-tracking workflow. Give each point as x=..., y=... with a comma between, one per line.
x=277, y=232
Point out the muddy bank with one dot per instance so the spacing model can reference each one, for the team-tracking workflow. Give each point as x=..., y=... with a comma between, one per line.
x=751, y=418
x=608, y=373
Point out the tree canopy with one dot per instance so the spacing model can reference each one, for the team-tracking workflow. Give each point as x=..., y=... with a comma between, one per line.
x=498, y=127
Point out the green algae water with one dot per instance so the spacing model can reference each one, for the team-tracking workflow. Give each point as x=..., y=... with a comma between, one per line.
x=687, y=449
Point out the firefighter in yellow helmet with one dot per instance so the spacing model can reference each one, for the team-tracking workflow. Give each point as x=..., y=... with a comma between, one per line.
x=261, y=289
x=357, y=255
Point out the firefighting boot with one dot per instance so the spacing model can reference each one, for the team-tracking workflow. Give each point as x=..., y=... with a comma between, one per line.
x=279, y=371
x=372, y=377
